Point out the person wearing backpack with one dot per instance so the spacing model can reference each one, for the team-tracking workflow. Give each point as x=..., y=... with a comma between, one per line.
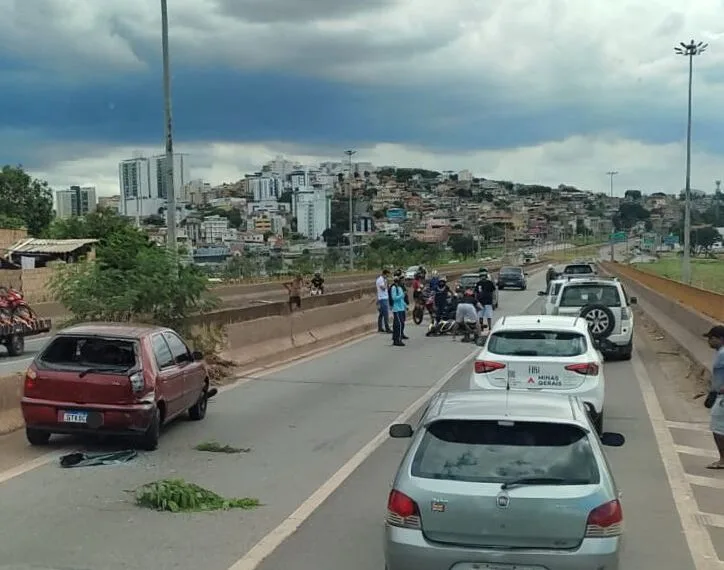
x=401, y=276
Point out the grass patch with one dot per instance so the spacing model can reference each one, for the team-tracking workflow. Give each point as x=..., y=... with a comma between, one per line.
x=705, y=273
x=569, y=254
x=216, y=447
x=178, y=496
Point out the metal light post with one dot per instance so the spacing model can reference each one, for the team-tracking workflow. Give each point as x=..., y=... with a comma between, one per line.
x=349, y=154
x=611, y=174
x=688, y=50
x=170, y=190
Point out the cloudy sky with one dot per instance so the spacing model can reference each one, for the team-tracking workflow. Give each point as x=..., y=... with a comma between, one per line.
x=536, y=91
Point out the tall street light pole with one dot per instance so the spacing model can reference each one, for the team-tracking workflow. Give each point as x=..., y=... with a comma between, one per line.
x=171, y=238
x=350, y=154
x=611, y=174
x=688, y=50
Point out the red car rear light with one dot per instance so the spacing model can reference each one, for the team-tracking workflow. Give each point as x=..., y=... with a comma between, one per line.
x=30, y=380
x=486, y=366
x=402, y=511
x=586, y=368
x=605, y=521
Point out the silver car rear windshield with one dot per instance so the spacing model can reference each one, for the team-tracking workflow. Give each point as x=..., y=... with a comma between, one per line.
x=487, y=451
x=537, y=343
x=581, y=295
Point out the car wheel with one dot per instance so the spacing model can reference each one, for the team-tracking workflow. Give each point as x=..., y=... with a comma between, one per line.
x=601, y=320
x=598, y=423
x=627, y=351
x=197, y=412
x=149, y=440
x=37, y=436
x=16, y=345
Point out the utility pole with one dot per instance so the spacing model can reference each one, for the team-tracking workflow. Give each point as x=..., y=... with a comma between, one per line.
x=350, y=154
x=611, y=174
x=688, y=50
x=171, y=240
x=717, y=198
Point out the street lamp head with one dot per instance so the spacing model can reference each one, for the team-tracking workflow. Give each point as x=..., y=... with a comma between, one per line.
x=691, y=49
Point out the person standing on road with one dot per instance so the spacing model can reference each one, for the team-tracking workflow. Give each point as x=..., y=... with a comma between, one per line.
x=401, y=275
x=294, y=287
x=550, y=275
x=485, y=293
x=383, y=303
x=399, y=307
x=716, y=340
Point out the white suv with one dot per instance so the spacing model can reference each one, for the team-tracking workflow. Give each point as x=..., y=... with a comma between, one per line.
x=543, y=353
x=603, y=302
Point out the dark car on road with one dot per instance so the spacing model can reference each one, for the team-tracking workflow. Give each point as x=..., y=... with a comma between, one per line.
x=512, y=278
x=470, y=280
x=113, y=379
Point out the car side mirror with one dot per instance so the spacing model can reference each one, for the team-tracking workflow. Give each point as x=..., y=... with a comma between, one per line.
x=525, y=274
x=612, y=439
x=541, y=293
x=197, y=355
x=401, y=431
x=633, y=300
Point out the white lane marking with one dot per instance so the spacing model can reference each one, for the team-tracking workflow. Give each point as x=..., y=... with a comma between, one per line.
x=697, y=451
x=29, y=465
x=262, y=549
x=692, y=426
x=273, y=540
x=700, y=481
x=700, y=544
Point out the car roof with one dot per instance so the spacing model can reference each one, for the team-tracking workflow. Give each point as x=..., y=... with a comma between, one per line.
x=511, y=267
x=476, y=275
x=120, y=330
x=499, y=405
x=540, y=322
x=593, y=281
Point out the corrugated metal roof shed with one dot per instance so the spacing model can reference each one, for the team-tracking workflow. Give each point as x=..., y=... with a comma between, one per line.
x=48, y=246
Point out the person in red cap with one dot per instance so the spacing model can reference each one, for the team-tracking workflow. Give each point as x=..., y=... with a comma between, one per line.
x=715, y=336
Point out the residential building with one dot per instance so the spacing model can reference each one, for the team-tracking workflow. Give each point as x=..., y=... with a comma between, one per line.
x=216, y=229
x=311, y=205
x=109, y=202
x=143, y=184
x=76, y=201
x=264, y=187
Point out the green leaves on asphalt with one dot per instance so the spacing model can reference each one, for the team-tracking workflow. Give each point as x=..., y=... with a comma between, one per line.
x=178, y=496
x=216, y=447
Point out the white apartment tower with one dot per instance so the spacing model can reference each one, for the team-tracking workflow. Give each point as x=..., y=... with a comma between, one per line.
x=311, y=205
x=143, y=185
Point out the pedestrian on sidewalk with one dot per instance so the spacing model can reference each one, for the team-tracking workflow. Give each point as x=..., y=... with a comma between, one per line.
x=399, y=307
x=716, y=340
x=294, y=287
x=383, y=302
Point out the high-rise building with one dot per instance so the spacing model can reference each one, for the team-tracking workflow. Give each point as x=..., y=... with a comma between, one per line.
x=264, y=187
x=76, y=201
x=143, y=184
x=311, y=205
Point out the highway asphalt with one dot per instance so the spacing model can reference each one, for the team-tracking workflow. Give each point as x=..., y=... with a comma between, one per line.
x=11, y=364
x=302, y=424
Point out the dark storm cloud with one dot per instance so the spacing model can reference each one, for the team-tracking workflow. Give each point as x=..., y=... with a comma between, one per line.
x=274, y=11
x=223, y=105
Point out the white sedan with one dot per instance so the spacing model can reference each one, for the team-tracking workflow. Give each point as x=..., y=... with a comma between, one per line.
x=543, y=353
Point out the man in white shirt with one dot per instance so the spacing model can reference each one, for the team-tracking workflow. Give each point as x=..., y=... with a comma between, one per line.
x=383, y=303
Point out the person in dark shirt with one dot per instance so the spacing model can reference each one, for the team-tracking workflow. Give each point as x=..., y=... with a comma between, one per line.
x=484, y=292
x=551, y=274
x=442, y=293
x=318, y=282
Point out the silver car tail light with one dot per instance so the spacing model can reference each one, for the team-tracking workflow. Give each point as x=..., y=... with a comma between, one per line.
x=138, y=382
x=402, y=511
x=605, y=521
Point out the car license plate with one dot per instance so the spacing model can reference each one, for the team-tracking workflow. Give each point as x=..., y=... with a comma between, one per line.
x=75, y=417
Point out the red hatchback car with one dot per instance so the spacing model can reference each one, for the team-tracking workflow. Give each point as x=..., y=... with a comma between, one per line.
x=113, y=379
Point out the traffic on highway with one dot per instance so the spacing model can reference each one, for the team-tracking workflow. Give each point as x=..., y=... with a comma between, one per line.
x=541, y=447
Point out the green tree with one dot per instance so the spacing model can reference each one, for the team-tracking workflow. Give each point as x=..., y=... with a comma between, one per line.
x=462, y=245
x=99, y=225
x=25, y=199
x=132, y=279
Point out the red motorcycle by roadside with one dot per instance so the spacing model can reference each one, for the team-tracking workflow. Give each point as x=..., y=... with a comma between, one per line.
x=424, y=302
x=14, y=307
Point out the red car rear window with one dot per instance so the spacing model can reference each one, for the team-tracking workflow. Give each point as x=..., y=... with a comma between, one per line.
x=85, y=352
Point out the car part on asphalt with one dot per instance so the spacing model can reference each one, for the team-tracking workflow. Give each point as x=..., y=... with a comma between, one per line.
x=85, y=459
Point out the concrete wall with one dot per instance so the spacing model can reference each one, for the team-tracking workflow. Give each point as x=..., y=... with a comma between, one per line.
x=9, y=237
x=703, y=301
x=32, y=282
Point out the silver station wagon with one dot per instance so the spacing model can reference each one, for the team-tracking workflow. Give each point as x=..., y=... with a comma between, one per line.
x=503, y=481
